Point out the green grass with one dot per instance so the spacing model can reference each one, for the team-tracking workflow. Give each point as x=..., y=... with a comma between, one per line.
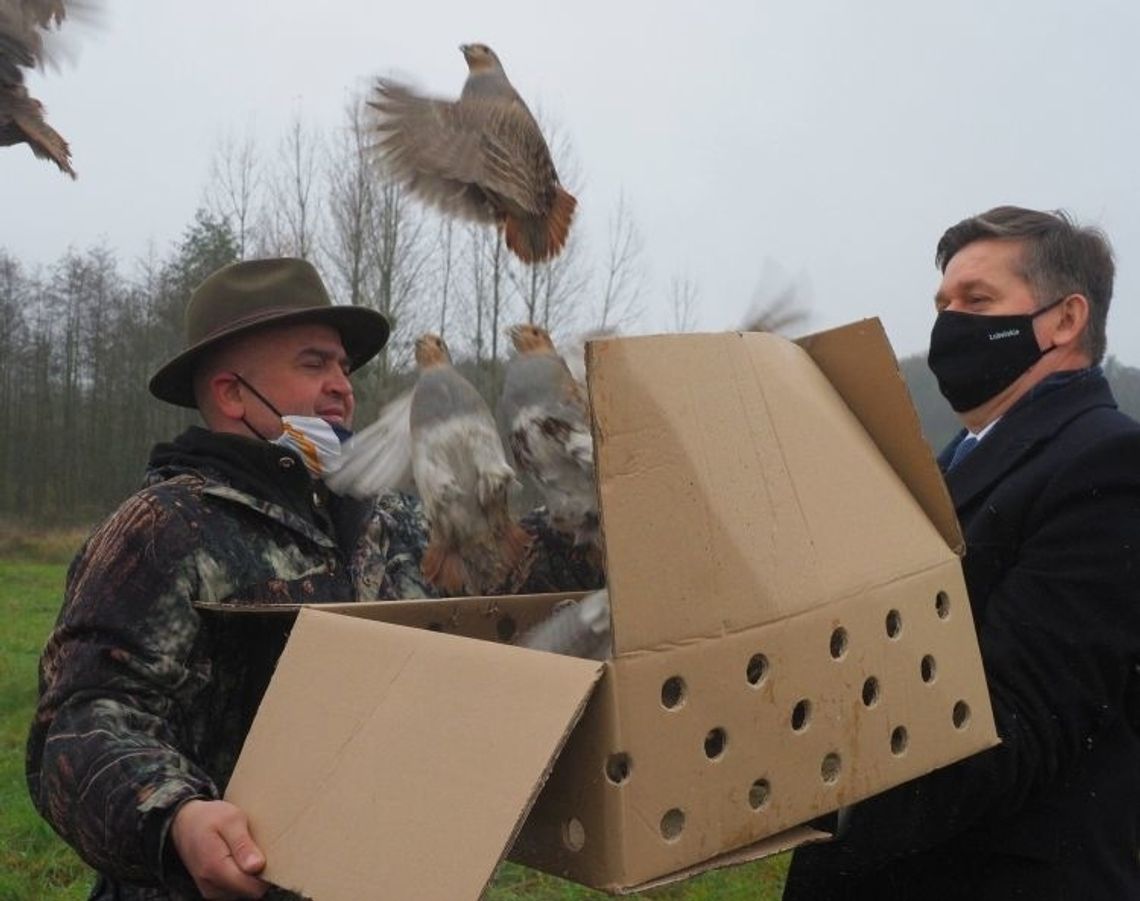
x=36, y=864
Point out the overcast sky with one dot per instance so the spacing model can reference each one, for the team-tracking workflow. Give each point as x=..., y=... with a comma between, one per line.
x=834, y=139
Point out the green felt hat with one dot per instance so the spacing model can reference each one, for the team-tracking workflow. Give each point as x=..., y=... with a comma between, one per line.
x=249, y=295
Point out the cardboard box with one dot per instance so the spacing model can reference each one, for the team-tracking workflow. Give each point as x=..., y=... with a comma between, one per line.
x=791, y=634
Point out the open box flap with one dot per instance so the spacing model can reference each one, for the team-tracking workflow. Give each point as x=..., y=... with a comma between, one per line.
x=433, y=747
x=859, y=363
x=498, y=618
x=703, y=443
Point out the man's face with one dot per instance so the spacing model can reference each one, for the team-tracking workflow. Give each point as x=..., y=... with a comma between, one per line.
x=302, y=370
x=985, y=277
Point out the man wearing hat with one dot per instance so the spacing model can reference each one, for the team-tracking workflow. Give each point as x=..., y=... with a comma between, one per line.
x=144, y=699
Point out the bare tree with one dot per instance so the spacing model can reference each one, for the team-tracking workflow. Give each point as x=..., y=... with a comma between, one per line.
x=624, y=272
x=497, y=269
x=683, y=294
x=477, y=290
x=352, y=210
x=292, y=218
x=445, y=242
x=233, y=188
x=398, y=257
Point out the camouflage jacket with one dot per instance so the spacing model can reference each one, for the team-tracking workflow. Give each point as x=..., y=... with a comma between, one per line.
x=145, y=701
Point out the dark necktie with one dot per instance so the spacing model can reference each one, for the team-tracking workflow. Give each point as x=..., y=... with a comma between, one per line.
x=962, y=451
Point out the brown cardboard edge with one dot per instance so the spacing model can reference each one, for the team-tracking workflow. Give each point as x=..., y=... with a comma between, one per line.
x=575, y=715
x=788, y=840
x=544, y=776
x=893, y=426
x=349, y=607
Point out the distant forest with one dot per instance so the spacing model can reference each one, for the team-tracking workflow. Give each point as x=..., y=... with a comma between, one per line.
x=80, y=337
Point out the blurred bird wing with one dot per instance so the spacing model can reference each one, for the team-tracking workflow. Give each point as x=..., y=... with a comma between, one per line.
x=378, y=458
x=580, y=629
x=452, y=427
x=442, y=149
x=574, y=353
x=28, y=29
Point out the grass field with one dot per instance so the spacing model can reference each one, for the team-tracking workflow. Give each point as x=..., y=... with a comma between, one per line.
x=35, y=864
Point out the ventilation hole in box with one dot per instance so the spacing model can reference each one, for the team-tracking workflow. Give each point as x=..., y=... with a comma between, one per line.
x=673, y=692
x=894, y=624
x=830, y=767
x=574, y=835
x=618, y=768
x=672, y=824
x=435, y=627
x=757, y=669
x=838, y=643
x=870, y=691
x=961, y=715
x=899, y=739
x=758, y=794
x=928, y=668
x=801, y=714
x=506, y=627
x=715, y=743
x=942, y=605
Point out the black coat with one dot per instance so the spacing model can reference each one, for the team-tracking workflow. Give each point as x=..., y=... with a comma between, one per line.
x=1050, y=506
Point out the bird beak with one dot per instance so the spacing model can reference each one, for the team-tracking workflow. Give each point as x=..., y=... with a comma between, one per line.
x=464, y=49
x=513, y=332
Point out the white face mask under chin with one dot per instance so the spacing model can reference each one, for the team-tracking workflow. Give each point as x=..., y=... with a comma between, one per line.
x=314, y=440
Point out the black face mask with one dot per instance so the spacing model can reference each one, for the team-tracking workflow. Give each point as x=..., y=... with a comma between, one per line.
x=975, y=356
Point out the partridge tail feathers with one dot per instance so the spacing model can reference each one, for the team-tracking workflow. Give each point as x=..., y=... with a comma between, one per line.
x=514, y=544
x=534, y=239
x=444, y=568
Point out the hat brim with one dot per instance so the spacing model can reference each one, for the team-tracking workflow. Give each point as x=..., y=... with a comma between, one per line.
x=363, y=331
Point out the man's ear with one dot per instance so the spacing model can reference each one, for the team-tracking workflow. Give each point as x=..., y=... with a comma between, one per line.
x=1074, y=318
x=225, y=393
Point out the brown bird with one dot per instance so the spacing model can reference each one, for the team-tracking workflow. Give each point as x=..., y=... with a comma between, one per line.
x=482, y=157
x=543, y=411
x=23, y=24
x=463, y=478
x=441, y=434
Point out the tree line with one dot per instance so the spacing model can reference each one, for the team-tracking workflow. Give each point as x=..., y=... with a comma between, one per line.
x=80, y=337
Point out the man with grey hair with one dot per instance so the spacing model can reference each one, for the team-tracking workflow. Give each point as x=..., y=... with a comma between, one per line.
x=1045, y=477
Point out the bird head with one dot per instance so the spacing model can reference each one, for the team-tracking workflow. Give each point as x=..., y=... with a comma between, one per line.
x=431, y=351
x=530, y=338
x=480, y=57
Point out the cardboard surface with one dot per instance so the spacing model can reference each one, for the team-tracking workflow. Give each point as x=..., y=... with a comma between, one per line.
x=870, y=383
x=792, y=630
x=776, y=844
x=387, y=760
x=737, y=488
x=792, y=634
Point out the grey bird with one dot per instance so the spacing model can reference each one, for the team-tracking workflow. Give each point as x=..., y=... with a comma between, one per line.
x=575, y=628
x=482, y=157
x=445, y=433
x=543, y=412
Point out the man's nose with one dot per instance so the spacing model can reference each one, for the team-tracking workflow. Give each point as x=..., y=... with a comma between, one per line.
x=340, y=383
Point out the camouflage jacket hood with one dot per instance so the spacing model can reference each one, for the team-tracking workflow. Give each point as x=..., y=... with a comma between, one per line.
x=145, y=699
